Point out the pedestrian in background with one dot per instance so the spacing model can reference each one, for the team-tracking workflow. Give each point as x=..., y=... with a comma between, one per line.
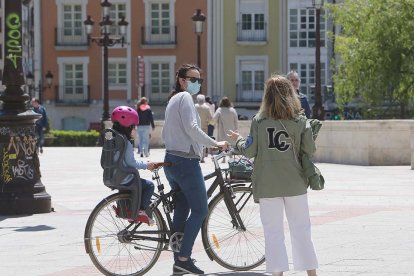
x=212, y=107
x=294, y=78
x=278, y=181
x=205, y=117
x=41, y=123
x=146, y=122
x=184, y=140
x=226, y=119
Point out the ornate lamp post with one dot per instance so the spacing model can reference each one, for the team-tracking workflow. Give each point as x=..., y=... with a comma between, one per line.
x=21, y=191
x=318, y=111
x=198, y=19
x=105, y=41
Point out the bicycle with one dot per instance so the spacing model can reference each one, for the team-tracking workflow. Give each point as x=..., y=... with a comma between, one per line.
x=232, y=234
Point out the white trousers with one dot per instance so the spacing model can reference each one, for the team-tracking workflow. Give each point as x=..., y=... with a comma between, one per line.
x=297, y=214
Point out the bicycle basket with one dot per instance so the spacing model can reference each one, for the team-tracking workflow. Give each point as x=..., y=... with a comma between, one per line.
x=242, y=168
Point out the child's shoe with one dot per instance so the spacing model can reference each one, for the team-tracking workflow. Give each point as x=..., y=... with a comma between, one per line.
x=143, y=217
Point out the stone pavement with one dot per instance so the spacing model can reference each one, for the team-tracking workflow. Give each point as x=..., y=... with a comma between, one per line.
x=363, y=222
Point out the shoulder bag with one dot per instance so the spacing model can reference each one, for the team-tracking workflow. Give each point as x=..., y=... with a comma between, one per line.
x=314, y=176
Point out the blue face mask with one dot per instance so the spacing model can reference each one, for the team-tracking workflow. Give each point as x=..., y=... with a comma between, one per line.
x=193, y=87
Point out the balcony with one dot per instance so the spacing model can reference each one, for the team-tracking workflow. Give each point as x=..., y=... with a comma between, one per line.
x=151, y=38
x=72, y=95
x=71, y=39
x=250, y=35
x=158, y=95
x=248, y=97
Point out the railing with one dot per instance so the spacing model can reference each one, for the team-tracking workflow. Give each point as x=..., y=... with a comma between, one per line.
x=71, y=37
x=168, y=37
x=72, y=95
x=157, y=97
x=254, y=35
x=253, y=96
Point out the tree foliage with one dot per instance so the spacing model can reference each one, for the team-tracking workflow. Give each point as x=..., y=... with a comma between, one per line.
x=376, y=52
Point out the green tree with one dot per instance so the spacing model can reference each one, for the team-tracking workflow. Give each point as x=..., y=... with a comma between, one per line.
x=376, y=53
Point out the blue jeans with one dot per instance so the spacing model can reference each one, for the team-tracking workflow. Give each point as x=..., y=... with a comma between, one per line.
x=143, y=135
x=185, y=174
x=40, y=136
x=147, y=191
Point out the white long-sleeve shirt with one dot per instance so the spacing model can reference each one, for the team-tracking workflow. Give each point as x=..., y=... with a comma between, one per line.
x=181, y=129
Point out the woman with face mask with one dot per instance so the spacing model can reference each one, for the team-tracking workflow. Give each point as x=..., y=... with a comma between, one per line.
x=184, y=140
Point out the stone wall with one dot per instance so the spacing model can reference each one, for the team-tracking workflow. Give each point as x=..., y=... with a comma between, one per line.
x=371, y=143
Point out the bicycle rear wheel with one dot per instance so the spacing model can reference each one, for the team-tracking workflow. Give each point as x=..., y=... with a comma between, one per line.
x=232, y=248
x=118, y=247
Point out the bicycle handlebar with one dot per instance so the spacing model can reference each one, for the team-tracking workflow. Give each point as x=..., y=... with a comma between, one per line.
x=159, y=165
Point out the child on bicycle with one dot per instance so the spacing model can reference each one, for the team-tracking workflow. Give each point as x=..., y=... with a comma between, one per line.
x=124, y=119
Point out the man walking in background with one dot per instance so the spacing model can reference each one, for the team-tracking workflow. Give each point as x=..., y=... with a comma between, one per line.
x=41, y=124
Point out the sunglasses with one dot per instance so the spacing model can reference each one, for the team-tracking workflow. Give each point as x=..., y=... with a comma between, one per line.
x=194, y=79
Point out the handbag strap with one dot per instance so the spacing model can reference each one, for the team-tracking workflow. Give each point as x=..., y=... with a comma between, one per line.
x=293, y=143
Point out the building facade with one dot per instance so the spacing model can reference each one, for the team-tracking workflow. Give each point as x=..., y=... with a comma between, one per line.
x=242, y=44
x=160, y=37
x=300, y=40
x=251, y=39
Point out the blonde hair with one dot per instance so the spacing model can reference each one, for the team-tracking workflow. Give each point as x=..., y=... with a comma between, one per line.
x=280, y=101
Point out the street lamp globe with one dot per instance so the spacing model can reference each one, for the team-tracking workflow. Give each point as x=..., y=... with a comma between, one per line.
x=89, y=24
x=198, y=19
x=106, y=25
x=29, y=79
x=49, y=78
x=123, y=24
x=106, y=5
x=317, y=4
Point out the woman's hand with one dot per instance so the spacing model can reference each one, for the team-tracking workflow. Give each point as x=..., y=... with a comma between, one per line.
x=224, y=145
x=233, y=135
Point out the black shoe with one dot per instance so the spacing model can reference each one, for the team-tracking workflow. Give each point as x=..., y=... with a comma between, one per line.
x=177, y=271
x=142, y=155
x=186, y=267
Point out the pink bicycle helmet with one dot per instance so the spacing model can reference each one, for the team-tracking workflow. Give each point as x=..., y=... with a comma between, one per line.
x=125, y=116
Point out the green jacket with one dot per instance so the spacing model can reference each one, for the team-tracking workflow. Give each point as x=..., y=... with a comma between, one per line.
x=276, y=172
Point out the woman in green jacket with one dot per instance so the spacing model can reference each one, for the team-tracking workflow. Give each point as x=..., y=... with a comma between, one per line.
x=278, y=133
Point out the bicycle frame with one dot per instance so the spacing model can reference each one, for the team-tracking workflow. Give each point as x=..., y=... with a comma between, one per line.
x=168, y=204
x=228, y=197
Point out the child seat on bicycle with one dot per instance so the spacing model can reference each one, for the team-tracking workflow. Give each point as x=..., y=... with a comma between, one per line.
x=114, y=170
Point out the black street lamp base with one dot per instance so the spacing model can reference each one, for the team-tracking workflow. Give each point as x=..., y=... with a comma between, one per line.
x=318, y=112
x=35, y=201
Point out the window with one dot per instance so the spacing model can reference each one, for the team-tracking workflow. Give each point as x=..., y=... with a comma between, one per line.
x=116, y=12
x=159, y=22
x=256, y=24
x=160, y=79
x=302, y=27
x=72, y=20
x=252, y=76
x=73, y=80
x=160, y=18
x=117, y=74
x=252, y=22
x=70, y=30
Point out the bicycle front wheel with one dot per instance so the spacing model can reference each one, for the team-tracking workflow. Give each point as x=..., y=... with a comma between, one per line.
x=231, y=247
x=118, y=247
